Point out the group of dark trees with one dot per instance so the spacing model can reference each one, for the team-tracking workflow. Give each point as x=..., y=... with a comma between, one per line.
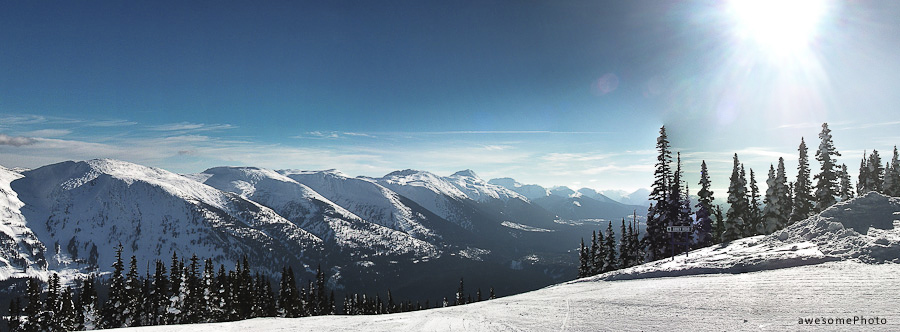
x=603, y=256
x=749, y=212
x=191, y=292
x=357, y=304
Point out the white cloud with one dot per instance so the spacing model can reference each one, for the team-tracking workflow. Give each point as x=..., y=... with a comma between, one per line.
x=16, y=140
x=191, y=127
x=48, y=133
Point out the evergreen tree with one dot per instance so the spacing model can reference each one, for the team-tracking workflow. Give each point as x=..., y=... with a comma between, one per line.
x=211, y=303
x=133, y=296
x=803, y=200
x=624, y=250
x=584, y=270
x=656, y=237
x=88, y=304
x=827, y=179
x=875, y=173
x=460, y=293
x=491, y=295
x=892, y=176
x=113, y=313
x=736, y=217
x=862, y=184
x=783, y=192
x=66, y=316
x=754, y=217
x=158, y=296
x=704, y=228
x=48, y=318
x=609, y=246
x=774, y=217
x=846, y=187
x=288, y=296
x=719, y=230
x=14, y=321
x=598, y=253
x=33, y=307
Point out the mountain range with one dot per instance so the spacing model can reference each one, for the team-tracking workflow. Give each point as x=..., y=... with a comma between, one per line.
x=410, y=231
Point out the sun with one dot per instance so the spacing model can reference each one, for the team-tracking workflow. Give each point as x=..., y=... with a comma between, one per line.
x=778, y=27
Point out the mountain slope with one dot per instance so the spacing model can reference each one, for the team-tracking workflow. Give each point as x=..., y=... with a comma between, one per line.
x=312, y=212
x=21, y=253
x=82, y=210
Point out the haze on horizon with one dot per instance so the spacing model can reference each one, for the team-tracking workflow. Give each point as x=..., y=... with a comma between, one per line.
x=556, y=93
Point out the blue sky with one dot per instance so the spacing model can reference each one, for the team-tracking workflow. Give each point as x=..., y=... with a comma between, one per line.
x=553, y=93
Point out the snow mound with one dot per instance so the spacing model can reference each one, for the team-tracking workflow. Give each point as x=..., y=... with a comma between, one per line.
x=864, y=229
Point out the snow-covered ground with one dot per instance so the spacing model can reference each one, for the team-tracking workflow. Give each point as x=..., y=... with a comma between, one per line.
x=773, y=300
x=836, y=271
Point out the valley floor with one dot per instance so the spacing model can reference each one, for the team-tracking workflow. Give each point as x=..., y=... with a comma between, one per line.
x=771, y=300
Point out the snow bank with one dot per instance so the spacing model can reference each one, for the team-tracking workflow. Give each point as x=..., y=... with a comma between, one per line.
x=865, y=229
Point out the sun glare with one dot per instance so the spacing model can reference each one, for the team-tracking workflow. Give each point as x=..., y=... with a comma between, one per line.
x=778, y=27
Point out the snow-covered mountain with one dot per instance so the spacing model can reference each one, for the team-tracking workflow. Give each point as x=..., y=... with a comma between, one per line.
x=530, y=191
x=834, y=271
x=568, y=204
x=479, y=190
x=81, y=210
x=312, y=212
x=21, y=253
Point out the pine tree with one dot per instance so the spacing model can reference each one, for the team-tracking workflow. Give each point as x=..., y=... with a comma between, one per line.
x=14, y=321
x=584, y=270
x=624, y=252
x=88, y=304
x=609, y=246
x=33, y=307
x=875, y=173
x=113, y=312
x=754, y=216
x=803, y=200
x=783, y=192
x=704, y=228
x=827, y=184
x=892, y=176
x=491, y=295
x=288, y=297
x=66, y=316
x=598, y=253
x=211, y=303
x=133, y=296
x=656, y=237
x=719, y=230
x=846, y=187
x=774, y=213
x=862, y=184
x=158, y=296
x=460, y=293
x=48, y=318
x=736, y=217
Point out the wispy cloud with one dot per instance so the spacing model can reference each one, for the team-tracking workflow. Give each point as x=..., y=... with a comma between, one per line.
x=16, y=140
x=110, y=123
x=191, y=127
x=48, y=132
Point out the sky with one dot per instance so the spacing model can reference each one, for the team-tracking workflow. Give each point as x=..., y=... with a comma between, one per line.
x=547, y=92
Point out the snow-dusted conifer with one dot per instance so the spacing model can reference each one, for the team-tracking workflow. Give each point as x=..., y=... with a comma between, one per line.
x=827, y=179
x=609, y=246
x=114, y=309
x=624, y=252
x=460, y=293
x=736, y=217
x=584, y=269
x=892, y=176
x=773, y=219
x=33, y=307
x=88, y=304
x=783, y=192
x=704, y=228
x=846, y=186
x=656, y=237
x=598, y=253
x=875, y=173
x=862, y=183
x=803, y=200
x=754, y=215
x=133, y=295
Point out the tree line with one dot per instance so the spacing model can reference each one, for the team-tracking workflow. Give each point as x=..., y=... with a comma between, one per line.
x=749, y=212
x=191, y=292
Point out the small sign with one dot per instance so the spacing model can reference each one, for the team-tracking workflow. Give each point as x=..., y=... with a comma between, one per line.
x=679, y=229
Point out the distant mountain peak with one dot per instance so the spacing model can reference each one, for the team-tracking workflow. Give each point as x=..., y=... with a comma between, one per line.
x=466, y=173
